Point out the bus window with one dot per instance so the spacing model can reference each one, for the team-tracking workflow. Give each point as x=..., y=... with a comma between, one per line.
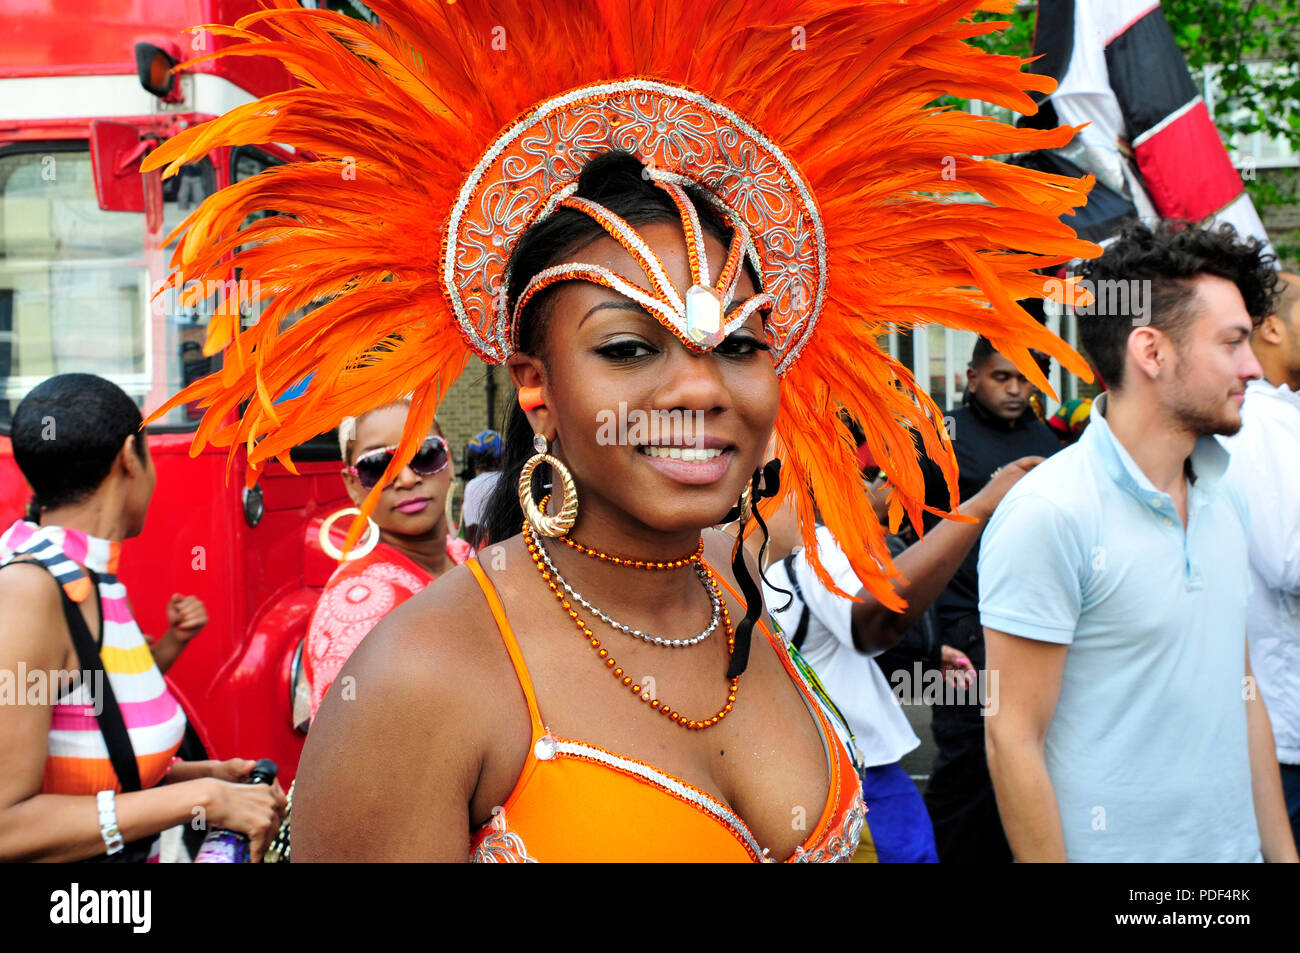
x=74, y=286
x=186, y=328
x=246, y=162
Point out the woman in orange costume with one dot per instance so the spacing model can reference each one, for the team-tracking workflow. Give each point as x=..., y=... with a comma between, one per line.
x=706, y=218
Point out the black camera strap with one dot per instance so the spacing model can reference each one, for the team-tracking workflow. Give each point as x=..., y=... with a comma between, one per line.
x=111, y=723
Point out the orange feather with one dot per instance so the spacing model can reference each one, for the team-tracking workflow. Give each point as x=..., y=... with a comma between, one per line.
x=391, y=117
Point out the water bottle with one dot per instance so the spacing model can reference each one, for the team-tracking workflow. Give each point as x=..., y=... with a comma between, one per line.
x=230, y=847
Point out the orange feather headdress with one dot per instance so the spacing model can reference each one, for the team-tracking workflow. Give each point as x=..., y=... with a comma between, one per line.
x=434, y=139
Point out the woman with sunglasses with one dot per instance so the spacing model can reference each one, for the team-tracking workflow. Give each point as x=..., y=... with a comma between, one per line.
x=667, y=285
x=405, y=548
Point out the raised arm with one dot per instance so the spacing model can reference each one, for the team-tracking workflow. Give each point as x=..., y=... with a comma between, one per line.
x=186, y=617
x=1028, y=685
x=929, y=564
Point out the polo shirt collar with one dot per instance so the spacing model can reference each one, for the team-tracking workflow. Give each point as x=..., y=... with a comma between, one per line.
x=1208, y=460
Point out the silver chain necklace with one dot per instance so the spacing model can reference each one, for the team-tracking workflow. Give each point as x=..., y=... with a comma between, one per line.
x=644, y=636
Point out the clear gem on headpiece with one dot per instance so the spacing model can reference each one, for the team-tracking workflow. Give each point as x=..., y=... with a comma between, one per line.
x=703, y=315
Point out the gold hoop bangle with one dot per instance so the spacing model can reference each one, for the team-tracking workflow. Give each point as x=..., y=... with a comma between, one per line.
x=364, y=546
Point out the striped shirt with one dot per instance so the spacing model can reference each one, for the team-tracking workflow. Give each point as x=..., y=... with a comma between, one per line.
x=77, y=759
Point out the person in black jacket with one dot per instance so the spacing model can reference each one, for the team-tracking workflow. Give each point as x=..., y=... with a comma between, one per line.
x=994, y=426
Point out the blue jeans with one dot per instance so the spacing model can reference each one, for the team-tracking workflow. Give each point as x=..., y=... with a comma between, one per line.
x=897, y=821
x=1291, y=791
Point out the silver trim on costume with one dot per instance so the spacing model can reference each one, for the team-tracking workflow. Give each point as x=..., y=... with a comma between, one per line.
x=501, y=845
x=618, y=282
x=654, y=268
x=842, y=845
x=736, y=165
x=698, y=798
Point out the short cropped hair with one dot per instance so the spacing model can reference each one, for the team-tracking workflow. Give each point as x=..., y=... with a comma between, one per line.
x=68, y=431
x=983, y=350
x=981, y=353
x=348, y=426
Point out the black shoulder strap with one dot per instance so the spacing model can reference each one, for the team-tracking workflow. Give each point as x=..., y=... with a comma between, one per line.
x=111, y=724
x=801, y=630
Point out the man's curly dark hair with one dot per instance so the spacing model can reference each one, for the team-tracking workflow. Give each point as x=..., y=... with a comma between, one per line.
x=1169, y=255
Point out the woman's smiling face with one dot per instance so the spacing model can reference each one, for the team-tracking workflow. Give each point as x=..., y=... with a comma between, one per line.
x=611, y=369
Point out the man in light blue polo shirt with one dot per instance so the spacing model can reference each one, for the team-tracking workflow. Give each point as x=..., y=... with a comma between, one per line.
x=1113, y=584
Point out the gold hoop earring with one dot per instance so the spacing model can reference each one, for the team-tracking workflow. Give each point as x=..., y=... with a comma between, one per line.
x=364, y=546
x=561, y=523
x=746, y=505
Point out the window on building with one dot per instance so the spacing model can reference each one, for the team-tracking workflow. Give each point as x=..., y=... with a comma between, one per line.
x=1257, y=150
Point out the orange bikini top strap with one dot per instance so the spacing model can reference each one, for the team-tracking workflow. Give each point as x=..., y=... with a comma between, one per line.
x=512, y=647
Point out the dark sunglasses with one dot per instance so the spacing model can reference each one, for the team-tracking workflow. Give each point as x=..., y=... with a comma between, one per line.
x=431, y=458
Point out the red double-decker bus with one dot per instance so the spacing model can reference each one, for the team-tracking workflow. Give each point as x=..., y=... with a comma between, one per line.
x=86, y=91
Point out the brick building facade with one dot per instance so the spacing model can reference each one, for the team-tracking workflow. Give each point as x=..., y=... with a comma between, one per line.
x=465, y=412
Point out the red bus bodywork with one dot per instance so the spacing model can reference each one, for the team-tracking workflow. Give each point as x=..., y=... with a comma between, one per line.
x=259, y=582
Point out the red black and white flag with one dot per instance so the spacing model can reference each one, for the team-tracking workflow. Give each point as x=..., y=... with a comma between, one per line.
x=1150, y=140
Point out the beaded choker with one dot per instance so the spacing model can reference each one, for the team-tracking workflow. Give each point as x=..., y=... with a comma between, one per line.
x=637, y=633
x=693, y=559
x=676, y=717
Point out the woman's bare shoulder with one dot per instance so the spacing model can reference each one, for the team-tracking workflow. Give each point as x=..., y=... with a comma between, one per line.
x=29, y=589
x=410, y=711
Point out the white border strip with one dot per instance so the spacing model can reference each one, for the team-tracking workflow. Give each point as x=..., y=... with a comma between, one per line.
x=1169, y=120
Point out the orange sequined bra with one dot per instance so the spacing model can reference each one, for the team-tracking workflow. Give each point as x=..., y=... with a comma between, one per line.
x=575, y=802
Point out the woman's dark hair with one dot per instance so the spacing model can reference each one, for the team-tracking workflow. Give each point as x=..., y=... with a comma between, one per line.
x=66, y=434
x=1165, y=259
x=617, y=181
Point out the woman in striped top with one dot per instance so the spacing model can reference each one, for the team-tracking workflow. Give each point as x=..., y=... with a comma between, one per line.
x=59, y=778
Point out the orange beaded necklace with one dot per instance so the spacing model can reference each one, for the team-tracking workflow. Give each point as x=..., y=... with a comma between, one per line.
x=693, y=558
x=670, y=713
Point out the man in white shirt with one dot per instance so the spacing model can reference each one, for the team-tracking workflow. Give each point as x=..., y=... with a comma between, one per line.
x=1266, y=467
x=840, y=638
